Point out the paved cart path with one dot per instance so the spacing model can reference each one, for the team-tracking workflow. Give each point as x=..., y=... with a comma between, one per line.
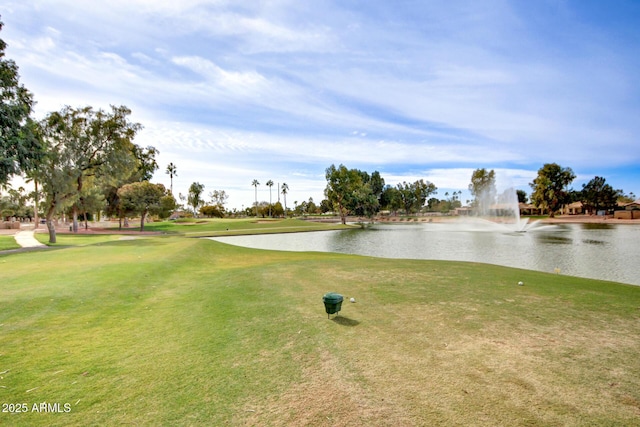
x=25, y=239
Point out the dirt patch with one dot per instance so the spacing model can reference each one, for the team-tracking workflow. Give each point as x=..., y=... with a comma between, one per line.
x=328, y=395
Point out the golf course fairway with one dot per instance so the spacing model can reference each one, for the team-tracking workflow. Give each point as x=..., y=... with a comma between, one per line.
x=169, y=330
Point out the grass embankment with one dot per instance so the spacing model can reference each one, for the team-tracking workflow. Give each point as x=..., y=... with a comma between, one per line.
x=8, y=242
x=234, y=227
x=63, y=239
x=174, y=331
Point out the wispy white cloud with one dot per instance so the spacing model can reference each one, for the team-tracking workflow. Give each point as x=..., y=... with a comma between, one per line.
x=280, y=89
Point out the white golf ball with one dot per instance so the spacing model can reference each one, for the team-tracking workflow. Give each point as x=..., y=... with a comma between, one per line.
x=520, y=283
x=352, y=300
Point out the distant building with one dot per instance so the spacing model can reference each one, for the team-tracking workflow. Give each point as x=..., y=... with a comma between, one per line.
x=529, y=209
x=575, y=208
x=630, y=211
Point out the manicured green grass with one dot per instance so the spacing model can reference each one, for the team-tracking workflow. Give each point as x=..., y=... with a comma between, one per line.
x=63, y=239
x=207, y=227
x=8, y=242
x=175, y=331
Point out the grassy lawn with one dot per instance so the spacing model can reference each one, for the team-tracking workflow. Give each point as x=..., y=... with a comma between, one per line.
x=80, y=239
x=8, y=242
x=232, y=227
x=175, y=331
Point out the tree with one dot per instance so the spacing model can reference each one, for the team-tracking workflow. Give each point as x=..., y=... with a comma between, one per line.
x=415, y=195
x=325, y=206
x=369, y=195
x=627, y=198
x=597, y=195
x=352, y=191
x=212, y=211
x=277, y=209
x=550, y=187
x=449, y=203
x=193, y=199
x=341, y=185
x=19, y=146
x=79, y=144
x=167, y=206
x=31, y=175
x=255, y=184
x=366, y=202
x=269, y=184
x=142, y=170
x=142, y=198
x=483, y=189
x=15, y=205
x=311, y=206
x=522, y=196
x=391, y=199
x=90, y=200
x=284, y=189
x=219, y=198
x=146, y=163
x=171, y=171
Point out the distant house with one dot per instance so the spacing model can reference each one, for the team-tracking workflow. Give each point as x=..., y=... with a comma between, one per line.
x=502, y=209
x=529, y=209
x=631, y=211
x=463, y=211
x=575, y=208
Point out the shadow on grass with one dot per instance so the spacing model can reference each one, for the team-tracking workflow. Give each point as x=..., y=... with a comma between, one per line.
x=345, y=321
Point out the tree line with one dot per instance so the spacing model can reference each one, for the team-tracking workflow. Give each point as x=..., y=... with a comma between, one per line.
x=83, y=161
x=355, y=192
x=80, y=160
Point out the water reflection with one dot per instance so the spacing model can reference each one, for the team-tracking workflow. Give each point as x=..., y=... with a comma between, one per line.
x=599, y=251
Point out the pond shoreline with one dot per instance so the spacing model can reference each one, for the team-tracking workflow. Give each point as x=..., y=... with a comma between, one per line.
x=560, y=219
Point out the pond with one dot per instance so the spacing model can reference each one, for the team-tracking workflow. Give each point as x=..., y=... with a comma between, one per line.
x=597, y=251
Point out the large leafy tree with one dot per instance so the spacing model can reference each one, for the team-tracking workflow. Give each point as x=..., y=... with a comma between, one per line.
x=342, y=185
x=483, y=189
x=550, y=187
x=414, y=195
x=370, y=195
x=142, y=198
x=141, y=169
x=391, y=199
x=597, y=195
x=146, y=163
x=83, y=144
x=353, y=191
x=19, y=147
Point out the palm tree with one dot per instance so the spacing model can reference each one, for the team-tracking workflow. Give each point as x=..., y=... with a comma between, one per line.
x=283, y=189
x=255, y=183
x=269, y=184
x=195, y=191
x=171, y=171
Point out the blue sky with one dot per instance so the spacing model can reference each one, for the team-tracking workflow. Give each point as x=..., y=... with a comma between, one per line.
x=234, y=91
